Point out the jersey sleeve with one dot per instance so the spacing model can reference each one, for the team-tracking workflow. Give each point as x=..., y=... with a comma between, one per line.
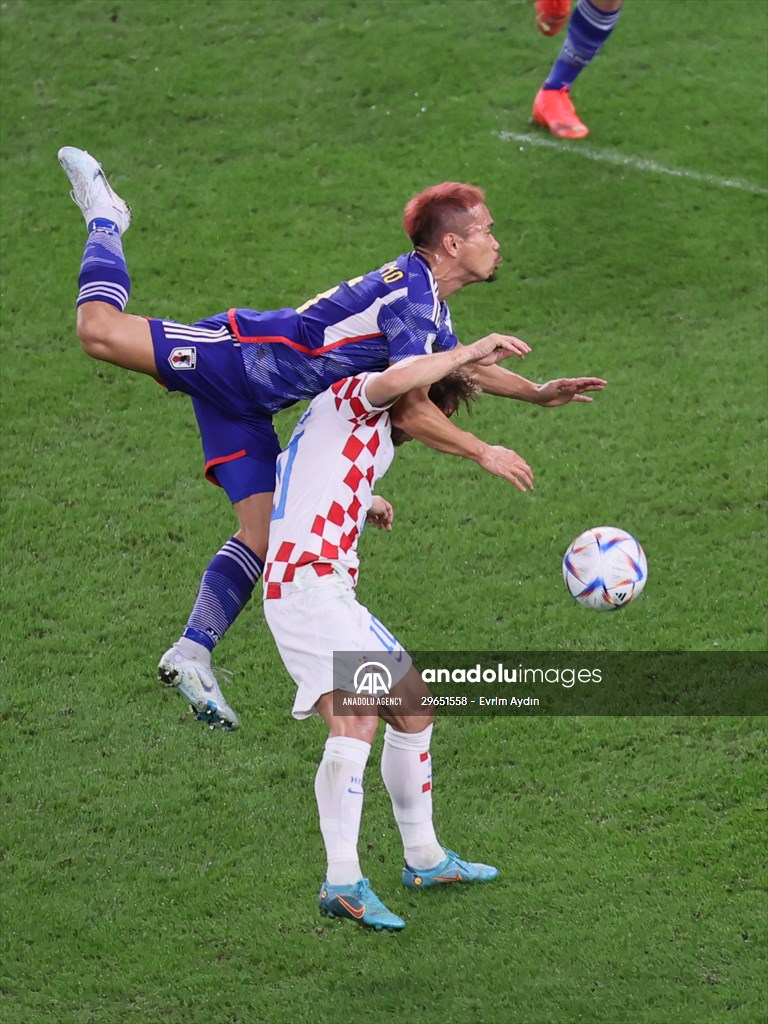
x=351, y=402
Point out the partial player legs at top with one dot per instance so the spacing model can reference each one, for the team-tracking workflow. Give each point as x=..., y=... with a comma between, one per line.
x=551, y=15
x=591, y=23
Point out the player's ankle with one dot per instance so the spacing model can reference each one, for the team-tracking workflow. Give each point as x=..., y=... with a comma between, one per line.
x=191, y=649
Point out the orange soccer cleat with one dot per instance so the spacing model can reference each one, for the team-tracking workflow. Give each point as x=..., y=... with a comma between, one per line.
x=553, y=109
x=551, y=15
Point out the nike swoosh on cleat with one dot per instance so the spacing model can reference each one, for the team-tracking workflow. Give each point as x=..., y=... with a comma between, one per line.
x=449, y=878
x=356, y=912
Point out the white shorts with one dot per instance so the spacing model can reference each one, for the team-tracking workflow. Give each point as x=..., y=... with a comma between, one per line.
x=317, y=617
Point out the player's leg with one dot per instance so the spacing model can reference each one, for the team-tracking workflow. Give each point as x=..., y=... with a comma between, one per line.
x=225, y=588
x=106, y=332
x=589, y=28
x=339, y=794
x=240, y=457
x=551, y=15
x=406, y=768
x=118, y=338
x=339, y=787
x=314, y=621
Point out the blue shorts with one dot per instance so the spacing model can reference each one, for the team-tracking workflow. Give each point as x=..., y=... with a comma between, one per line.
x=240, y=444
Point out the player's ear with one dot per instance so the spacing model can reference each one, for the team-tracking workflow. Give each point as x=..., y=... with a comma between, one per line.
x=452, y=243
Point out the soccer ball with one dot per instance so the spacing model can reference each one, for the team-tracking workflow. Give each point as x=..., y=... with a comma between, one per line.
x=605, y=568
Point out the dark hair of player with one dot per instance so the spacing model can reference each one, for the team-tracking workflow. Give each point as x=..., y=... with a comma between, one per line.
x=438, y=210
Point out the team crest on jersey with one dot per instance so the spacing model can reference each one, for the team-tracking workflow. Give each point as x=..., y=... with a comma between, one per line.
x=183, y=358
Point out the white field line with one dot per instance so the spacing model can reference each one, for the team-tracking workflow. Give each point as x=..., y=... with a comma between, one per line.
x=635, y=163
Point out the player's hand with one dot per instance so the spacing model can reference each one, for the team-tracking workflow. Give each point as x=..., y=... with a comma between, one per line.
x=380, y=514
x=505, y=463
x=495, y=347
x=568, y=389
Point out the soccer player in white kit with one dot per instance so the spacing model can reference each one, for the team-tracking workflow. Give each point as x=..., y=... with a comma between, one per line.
x=339, y=448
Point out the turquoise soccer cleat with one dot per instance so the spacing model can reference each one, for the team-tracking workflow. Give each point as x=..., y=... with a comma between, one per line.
x=452, y=869
x=359, y=903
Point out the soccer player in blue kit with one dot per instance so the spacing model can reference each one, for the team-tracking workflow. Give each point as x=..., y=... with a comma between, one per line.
x=241, y=366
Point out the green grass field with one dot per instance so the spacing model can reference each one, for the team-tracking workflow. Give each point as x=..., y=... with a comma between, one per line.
x=157, y=872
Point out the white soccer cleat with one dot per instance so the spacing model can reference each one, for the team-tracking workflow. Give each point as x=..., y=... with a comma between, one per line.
x=90, y=189
x=198, y=684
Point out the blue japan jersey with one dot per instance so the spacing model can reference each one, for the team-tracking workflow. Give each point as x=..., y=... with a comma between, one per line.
x=360, y=325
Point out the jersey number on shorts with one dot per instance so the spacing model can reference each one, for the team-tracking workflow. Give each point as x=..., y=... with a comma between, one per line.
x=388, y=641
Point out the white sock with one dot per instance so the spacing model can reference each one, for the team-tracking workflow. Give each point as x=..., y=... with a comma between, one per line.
x=339, y=792
x=406, y=769
x=193, y=650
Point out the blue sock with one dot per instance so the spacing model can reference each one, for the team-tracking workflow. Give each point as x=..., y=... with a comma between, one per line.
x=103, y=273
x=225, y=589
x=588, y=29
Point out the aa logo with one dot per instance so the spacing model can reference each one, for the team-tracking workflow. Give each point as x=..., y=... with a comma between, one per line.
x=372, y=678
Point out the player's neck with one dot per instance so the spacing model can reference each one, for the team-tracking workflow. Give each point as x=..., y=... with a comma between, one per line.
x=447, y=274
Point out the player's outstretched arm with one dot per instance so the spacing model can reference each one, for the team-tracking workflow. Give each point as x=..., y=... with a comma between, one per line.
x=495, y=380
x=422, y=371
x=421, y=419
x=568, y=389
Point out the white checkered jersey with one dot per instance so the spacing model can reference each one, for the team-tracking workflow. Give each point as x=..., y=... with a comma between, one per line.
x=325, y=476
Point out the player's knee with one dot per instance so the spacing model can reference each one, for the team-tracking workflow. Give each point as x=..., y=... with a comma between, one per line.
x=412, y=711
x=94, y=329
x=363, y=728
x=357, y=727
x=411, y=723
x=89, y=339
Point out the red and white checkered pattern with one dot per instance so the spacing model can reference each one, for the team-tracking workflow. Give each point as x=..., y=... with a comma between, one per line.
x=339, y=448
